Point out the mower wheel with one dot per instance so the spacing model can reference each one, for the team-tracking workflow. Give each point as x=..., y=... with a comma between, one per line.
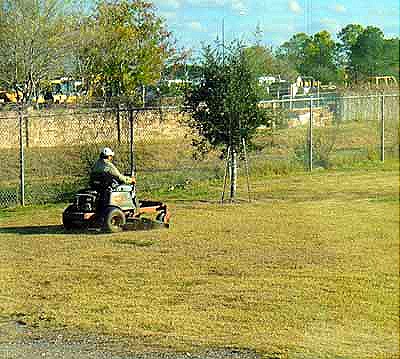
x=114, y=220
x=160, y=217
x=67, y=221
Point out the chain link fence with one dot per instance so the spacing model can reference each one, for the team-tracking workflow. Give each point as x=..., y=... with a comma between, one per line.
x=330, y=131
x=10, y=160
x=46, y=155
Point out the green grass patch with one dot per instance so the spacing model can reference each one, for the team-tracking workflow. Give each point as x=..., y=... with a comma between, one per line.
x=309, y=270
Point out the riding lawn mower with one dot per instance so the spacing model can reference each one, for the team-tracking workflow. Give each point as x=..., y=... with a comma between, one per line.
x=111, y=206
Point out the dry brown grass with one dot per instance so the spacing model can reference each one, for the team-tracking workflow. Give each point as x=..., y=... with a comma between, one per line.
x=308, y=271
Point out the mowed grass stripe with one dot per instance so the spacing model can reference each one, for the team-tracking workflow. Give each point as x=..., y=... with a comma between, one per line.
x=309, y=270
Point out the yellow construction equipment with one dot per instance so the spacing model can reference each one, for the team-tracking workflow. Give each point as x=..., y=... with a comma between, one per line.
x=65, y=90
x=60, y=91
x=381, y=82
x=10, y=97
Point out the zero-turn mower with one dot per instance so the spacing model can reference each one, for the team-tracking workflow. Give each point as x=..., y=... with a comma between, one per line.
x=111, y=207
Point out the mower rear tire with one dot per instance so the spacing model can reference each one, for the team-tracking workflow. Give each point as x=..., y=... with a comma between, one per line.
x=68, y=223
x=161, y=217
x=114, y=220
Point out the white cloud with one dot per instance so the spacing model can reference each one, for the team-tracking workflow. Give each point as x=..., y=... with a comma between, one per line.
x=330, y=24
x=339, y=8
x=207, y=3
x=239, y=6
x=195, y=26
x=173, y=4
x=295, y=7
x=168, y=15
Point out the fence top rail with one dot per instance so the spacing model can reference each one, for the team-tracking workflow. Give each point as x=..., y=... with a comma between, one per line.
x=370, y=96
x=309, y=98
x=321, y=94
x=88, y=110
x=110, y=109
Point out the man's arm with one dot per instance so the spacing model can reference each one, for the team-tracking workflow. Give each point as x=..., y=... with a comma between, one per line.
x=113, y=171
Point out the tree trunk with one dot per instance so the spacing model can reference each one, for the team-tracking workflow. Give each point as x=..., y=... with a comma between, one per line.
x=233, y=174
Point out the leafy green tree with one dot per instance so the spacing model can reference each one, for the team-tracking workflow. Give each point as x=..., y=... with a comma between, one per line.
x=391, y=57
x=364, y=52
x=319, y=58
x=359, y=54
x=312, y=55
x=348, y=37
x=123, y=46
x=293, y=50
x=223, y=106
x=34, y=43
x=367, y=54
x=263, y=62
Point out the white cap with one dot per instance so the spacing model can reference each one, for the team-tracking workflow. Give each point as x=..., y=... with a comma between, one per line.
x=107, y=151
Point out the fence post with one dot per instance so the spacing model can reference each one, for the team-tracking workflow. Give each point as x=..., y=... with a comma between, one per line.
x=21, y=159
x=227, y=168
x=383, y=128
x=26, y=131
x=118, y=125
x=310, y=137
x=131, y=139
x=247, y=167
x=233, y=174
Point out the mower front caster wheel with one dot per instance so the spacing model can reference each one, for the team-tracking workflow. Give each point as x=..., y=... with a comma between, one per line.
x=114, y=220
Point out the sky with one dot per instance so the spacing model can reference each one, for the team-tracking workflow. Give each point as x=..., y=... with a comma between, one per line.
x=194, y=22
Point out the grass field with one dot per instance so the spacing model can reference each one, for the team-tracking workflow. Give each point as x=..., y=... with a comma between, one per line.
x=309, y=270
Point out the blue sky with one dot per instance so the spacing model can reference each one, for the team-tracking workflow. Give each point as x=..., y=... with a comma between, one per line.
x=195, y=21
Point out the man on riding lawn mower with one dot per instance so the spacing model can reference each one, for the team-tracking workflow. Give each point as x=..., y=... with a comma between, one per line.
x=104, y=168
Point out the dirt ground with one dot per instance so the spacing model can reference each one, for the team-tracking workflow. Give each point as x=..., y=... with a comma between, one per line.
x=18, y=341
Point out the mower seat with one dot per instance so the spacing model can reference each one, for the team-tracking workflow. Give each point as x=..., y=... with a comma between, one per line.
x=102, y=182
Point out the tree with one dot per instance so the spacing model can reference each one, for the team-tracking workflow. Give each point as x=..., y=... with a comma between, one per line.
x=312, y=55
x=367, y=54
x=223, y=106
x=123, y=47
x=293, y=51
x=319, y=58
x=263, y=61
x=260, y=59
x=348, y=37
x=391, y=57
x=34, y=43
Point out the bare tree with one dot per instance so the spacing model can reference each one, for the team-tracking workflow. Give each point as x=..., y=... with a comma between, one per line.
x=34, y=44
x=123, y=45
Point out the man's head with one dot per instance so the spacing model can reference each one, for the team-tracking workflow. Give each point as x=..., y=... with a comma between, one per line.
x=106, y=152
